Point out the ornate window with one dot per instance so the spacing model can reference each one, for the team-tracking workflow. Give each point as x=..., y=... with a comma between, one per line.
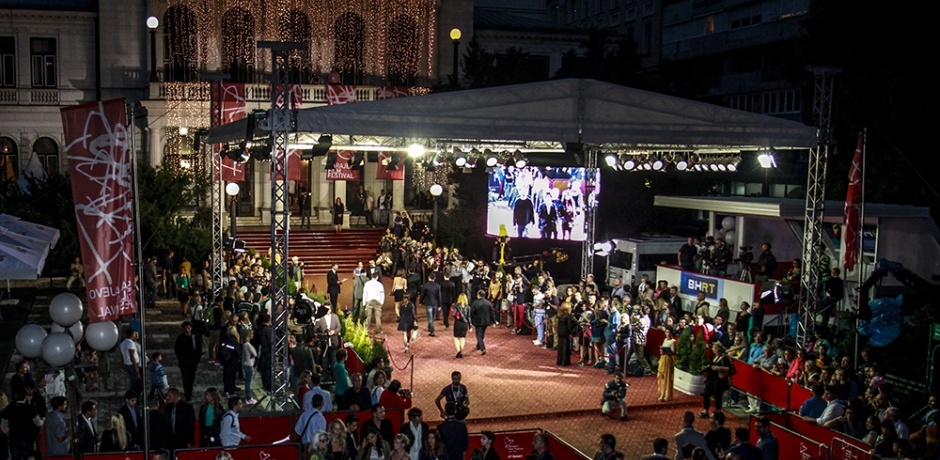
x=238, y=45
x=48, y=152
x=9, y=163
x=295, y=27
x=348, y=45
x=403, y=47
x=180, y=44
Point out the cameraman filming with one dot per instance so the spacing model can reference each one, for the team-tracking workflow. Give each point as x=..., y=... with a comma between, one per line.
x=720, y=258
x=766, y=263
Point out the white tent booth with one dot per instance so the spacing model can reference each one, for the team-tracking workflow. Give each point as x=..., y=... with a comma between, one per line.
x=542, y=117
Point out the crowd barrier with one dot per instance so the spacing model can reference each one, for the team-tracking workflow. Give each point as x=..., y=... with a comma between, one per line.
x=286, y=451
x=804, y=440
x=517, y=444
x=770, y=388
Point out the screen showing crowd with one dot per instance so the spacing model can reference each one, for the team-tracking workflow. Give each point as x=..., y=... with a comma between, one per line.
x=541, y=202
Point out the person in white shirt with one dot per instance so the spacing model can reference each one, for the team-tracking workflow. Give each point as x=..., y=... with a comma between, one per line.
x=130, y=355
x=373, y=296
x=229, y=428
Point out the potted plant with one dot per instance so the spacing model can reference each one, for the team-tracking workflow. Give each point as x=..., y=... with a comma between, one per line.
x=690, y=362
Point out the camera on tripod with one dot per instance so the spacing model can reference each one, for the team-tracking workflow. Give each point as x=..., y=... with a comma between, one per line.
x=746, y=255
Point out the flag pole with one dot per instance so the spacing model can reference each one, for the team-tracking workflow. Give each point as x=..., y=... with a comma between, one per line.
x=861, y=235
x=138, y=254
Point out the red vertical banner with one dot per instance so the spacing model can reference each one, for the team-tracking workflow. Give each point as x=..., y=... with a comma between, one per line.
x=340, y=94
x=96, y=140
x=853, y=200
x=342, y=169
x=293, y=155
x=233, y=109
x=391, y=166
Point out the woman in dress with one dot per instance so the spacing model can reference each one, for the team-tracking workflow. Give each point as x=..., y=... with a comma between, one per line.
x=116, y=438
x=566, y=326
x=210, y=415
x=667, y=363
x=433, y=448
x=405, y=311
x=400, y=447
x=487, y=438
x=182, y=286
x=399, y=287
x=338, y=212
x=461, y=323
x=373, y=446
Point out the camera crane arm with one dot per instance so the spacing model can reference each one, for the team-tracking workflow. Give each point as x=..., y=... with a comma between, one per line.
x=908, y=278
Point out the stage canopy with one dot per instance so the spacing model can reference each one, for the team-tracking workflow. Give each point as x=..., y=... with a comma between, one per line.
x=599, y=115
x=24, y=247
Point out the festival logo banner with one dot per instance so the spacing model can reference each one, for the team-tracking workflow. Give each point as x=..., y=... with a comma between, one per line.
x=693, y=283
x=391, y=92
x=340, y=94
x=233, y=109
x=341, y=168
x=386, y=170
x=96, y=140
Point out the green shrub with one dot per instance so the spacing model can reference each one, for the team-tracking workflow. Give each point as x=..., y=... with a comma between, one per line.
x=690, y=352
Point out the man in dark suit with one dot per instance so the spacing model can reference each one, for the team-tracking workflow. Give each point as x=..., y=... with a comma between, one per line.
x=523, y=214
x=454, y=434
x=182, y=420
x=431, y=298
x=329, y=324
x=416, y=429
x=481, y=316
x=87, y=437
x=332, y=285
x=448, y=297
x=132, y=418
x=188, y=350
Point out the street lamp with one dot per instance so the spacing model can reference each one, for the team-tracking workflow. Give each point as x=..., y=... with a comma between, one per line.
x=152, y=24
x=455, y=37
x=436, y=191
x=232, y=189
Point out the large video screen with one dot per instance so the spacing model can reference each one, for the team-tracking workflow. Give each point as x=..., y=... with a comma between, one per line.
x=540, y=202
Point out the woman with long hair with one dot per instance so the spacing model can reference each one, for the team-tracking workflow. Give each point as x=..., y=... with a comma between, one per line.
x=210, y=415
x=373, y=446
x=116, y=438
x=667, y=364
x=566, y=326
x=338, y=448
x=433, y=448
x=339, y=212
x=487, y=438
x=461, y=323
x=716, y=380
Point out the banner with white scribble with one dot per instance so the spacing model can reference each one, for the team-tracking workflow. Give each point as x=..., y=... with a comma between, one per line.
x=233, y=109
x=96, y=142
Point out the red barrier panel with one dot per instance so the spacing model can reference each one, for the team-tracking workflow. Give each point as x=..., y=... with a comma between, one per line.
x=516, y=445
x=138, y=455
x=267, y=429
x=849, y=448
x=354, y=362
x=654, y=339
x=268, y=452
x=792, y=444
x=768, y=387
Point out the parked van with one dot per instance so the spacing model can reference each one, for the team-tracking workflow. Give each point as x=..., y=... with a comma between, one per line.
x=631, y=258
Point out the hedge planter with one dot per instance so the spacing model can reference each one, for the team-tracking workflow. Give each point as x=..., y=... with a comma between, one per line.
x=688, y=383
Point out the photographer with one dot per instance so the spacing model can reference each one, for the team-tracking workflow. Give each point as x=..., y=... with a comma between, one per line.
x=720, y=258
x=615, y=393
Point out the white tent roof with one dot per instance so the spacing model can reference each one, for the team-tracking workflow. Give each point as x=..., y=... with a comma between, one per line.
x=571, y=110
x=24, y=247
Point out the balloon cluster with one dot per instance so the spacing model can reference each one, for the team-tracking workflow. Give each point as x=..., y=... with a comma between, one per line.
x=58, y=347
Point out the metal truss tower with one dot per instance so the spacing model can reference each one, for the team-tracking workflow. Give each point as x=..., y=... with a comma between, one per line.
x=590, y=215
x=279, y=124
x=813, y=235
x=216, y=197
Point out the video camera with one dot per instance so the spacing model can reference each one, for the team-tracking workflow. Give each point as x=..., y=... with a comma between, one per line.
x=746, y=256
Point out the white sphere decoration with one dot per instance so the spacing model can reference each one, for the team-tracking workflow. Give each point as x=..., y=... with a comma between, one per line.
x=101, y=336
x=727, y=223
x=29, y=340
x=730, y=237
x=66, y=309
x=436, y=190
x=720, y=234
x=58, y=349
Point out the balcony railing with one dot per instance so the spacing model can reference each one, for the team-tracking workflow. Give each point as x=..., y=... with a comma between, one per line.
x=257, y=92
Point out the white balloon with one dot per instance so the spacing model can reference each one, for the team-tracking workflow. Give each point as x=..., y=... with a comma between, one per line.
x=77, y=331
x=727, y=223
x=102, y=335
x=58, y=349
x=66, y=309
x=720, y=235
x=730, y=237
x=29, y=340
x=56, y=328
